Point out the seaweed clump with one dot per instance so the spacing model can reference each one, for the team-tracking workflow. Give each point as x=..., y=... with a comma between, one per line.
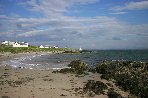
x=76, y=66
x=96, y=87
x=132, y=76
x=113, y=94
x=5, y=97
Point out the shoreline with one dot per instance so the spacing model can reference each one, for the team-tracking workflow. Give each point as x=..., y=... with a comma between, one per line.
x=9, y=56
x=32, y=83
x=15, y=60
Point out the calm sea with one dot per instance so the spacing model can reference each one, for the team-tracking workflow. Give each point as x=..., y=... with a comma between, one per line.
x=91, y=58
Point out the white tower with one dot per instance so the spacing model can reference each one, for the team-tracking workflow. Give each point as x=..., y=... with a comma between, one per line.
x=80, y=49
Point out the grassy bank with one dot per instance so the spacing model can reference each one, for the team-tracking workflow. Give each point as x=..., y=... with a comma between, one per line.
x=33, y=49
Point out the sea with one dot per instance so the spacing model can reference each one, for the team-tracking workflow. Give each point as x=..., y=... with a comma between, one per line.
x=92, y=57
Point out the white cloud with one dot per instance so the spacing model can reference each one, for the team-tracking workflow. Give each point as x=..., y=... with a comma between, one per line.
x=118, y=13
x=132, y=6
x=31, y=33
x=84, y=26
x=76, y=31
x=54, y=7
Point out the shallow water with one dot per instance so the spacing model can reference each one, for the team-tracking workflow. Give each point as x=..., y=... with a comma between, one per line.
x=57, y=61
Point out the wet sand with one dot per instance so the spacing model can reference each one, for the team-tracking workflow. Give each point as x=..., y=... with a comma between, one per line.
x=31, y=83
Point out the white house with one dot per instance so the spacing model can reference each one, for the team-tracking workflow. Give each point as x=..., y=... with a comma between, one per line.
x=7, y=43
x=55, y=47
x=20, y=44
x=48, y=46
x=15, y=44
x=41, y=46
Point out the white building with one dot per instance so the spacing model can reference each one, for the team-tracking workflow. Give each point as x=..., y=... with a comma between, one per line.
x=15, y=44
x=20, y=44
x=80, y=49
x=41, y=46
x=48, y=46
x=55, y=47
x=7, y=43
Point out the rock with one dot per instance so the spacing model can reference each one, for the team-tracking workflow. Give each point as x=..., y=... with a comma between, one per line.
x=5, y=97
x=64, y=71
x=129, y=75
x=93, y=70
x=78, y=66
x=91, y=94
x=63, y=95
x=113, y=94
x=97, y=87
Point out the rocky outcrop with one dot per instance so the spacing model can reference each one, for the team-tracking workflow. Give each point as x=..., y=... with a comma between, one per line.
x=78, y=66
x=130, y=75
x=96, y=87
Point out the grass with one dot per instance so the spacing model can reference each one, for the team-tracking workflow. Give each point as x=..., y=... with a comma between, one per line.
x=31, y=49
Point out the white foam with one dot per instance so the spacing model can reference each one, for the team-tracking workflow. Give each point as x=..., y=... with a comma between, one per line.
x=22, y=62
x=17, y=62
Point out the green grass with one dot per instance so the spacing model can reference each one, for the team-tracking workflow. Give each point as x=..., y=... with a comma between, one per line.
x=30, y=49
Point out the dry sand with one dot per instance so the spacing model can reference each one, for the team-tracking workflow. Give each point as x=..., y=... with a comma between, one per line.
x=30, y=83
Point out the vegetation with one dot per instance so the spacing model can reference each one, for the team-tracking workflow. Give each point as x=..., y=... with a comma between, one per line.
x=130, y=75
x=5, y=97
x=96, y=87
x=76, y=66
x=109, y=70
x=31, y=49
x=71, y=51
x=64, y=71
x=113, y=94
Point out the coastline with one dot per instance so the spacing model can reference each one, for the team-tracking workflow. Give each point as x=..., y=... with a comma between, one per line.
x=9, y=56
x=30, y=83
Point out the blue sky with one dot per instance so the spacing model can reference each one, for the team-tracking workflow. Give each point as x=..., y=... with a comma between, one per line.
x=90, y=24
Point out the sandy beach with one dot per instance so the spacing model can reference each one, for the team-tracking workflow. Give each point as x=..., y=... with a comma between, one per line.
x=31, y=83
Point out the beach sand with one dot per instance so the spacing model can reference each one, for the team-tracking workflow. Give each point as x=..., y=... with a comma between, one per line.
x=31, y=83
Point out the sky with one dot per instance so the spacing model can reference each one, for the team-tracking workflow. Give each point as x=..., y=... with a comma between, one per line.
x=89, y=24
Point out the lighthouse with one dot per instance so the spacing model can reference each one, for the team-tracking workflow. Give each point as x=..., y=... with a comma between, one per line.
x=80, y=49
